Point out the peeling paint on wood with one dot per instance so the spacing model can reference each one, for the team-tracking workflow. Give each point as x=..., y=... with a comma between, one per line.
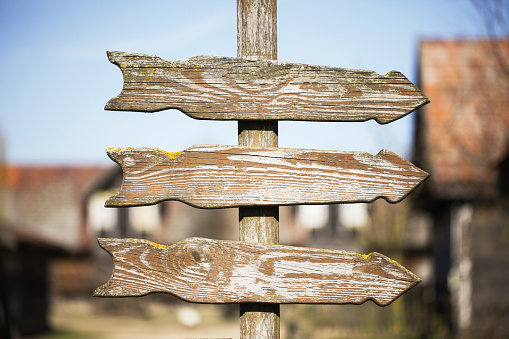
x=209, y=87
x=215, y=176
x=215, y=271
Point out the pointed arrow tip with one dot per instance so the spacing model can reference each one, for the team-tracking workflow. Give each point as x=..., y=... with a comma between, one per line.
x=385, y=266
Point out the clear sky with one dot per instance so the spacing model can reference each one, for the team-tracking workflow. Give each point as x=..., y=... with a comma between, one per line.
x=55, y=76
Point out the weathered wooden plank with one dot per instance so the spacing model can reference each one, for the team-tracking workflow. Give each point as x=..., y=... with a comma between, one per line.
x=216, y=271
x=208, y=87
x=214, y=176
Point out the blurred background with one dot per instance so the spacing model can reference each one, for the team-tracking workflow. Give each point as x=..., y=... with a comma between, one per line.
x=453, y=232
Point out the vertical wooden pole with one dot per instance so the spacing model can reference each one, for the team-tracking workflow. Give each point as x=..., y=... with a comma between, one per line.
x=257, y=38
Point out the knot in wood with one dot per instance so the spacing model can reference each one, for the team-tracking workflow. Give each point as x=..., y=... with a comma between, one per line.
x=200, y=256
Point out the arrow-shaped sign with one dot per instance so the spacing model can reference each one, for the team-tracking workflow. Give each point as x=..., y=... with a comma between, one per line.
x=207, y=87
x=214, y=176
x=216, y=271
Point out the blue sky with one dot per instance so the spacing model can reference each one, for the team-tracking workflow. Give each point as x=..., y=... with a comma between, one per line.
x=56, y=78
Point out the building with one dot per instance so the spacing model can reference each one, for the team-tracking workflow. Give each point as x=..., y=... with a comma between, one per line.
x=462, y=139
x=42, y=220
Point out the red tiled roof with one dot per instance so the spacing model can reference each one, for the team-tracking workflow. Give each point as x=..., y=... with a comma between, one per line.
x=23, y=178
x=464, y=131
x=48, y=203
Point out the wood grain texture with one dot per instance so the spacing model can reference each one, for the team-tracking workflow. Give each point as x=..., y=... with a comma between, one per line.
x=216, y=271
x=208, y=87
x=214, y=176
x=257, y=29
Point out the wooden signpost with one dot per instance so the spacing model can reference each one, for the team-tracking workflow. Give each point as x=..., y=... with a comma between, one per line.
x=214, y=176
x=215, y=271
x=257, y=177
x=207, y=87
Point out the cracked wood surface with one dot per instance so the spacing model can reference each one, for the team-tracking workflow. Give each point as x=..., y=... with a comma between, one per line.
x=223, y=88
x=216, y=271
x=215, y=176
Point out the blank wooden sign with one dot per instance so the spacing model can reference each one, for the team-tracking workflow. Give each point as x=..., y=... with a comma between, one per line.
x=214, y=271
x=214, y=176
x=209, y=87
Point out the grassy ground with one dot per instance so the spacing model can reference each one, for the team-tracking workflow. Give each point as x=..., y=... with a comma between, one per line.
x=134, y=318
x=158, y=317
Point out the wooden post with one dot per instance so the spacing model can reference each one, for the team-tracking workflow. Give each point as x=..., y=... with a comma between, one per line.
x=257, y=38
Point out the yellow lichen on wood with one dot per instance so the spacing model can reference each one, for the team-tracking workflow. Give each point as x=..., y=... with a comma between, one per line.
x=162, y=247
x=171, y=155
x=144, y=241
x=364, y=256
x=378, y=77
